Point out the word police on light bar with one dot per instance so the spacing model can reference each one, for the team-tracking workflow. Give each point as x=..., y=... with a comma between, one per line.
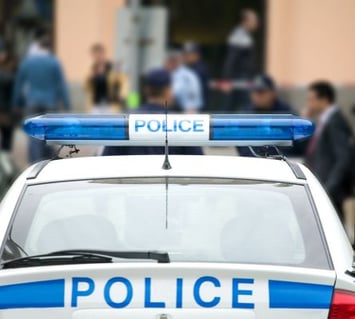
x=182, y=130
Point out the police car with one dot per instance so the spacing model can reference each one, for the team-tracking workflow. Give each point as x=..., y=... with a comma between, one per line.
x=172, y=237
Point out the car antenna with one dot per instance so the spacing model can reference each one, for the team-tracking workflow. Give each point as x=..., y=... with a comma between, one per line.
x=166, y=164
x=166, y=203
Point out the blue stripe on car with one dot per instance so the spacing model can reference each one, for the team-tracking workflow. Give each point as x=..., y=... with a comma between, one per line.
x=296, y=295
x=50, y=294
x=41, y=294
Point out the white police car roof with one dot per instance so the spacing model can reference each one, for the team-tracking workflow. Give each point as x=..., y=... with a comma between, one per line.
x=146, y=166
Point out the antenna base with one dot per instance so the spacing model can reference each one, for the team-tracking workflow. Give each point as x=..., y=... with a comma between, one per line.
x=166, y=164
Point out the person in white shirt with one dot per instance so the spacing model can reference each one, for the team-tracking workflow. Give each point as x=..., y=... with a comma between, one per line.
x=186, y=87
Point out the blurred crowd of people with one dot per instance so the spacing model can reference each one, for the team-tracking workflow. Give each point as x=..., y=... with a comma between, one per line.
x=37, y=85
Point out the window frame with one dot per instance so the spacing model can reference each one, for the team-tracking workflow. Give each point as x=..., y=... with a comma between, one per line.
x=312, y=205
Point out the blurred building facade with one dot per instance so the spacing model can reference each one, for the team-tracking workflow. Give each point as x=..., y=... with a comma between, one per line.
x=304, y=39
x=300, y=40
x=79, y=24
x=307, y=40
x=312, y=40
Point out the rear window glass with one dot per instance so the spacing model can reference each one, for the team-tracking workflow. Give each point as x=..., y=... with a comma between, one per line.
x=194, y=220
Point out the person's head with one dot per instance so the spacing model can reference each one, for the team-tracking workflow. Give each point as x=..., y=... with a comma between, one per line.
x=320, y=96
x=45, y=42
x=263, y=92
x=42, y=36
x=98, y=53
x=173, y=60
x=41, y=32
x=191, y=53
x=157, y=86
x=249, y=20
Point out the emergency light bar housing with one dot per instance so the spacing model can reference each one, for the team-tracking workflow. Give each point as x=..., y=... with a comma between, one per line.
x=182, y=130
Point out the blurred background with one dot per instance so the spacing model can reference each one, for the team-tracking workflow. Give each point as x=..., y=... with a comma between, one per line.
x=98, y=56
x=298, y=41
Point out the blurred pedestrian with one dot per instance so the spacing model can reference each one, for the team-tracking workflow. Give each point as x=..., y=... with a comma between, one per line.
x=106, y=86
x=329, y=151
x=240, y=62
x=158, y=93
x=7, y=78
x=41, y=86
x=264, y=100
x=186, y=87
x=193, y=60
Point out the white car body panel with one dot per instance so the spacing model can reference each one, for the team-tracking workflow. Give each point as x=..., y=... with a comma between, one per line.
x=164, y=276
x=164, y=289
x=138, y=166
x=339, y=245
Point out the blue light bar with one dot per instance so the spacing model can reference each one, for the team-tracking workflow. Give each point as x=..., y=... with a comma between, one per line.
x=77, y=127
x=182, y=130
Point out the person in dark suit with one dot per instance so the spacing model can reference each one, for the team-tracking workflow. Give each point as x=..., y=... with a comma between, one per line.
x=157, y=91
x=329, y=150
x=240, y=61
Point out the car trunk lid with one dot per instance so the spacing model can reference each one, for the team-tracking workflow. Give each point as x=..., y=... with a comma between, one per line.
x=166, y=291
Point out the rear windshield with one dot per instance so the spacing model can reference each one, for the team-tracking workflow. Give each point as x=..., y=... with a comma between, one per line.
x=194, y=220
